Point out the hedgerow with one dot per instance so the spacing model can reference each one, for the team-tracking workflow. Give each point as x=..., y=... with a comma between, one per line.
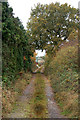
x=63, y=72
x=15, y=46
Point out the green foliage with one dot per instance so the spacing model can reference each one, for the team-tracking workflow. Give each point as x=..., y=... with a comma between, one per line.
x=63, y=72
x=48, y=24
x=15, y=46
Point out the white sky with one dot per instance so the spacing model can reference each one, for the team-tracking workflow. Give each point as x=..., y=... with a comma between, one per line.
x=22, y=8
x=40, y=53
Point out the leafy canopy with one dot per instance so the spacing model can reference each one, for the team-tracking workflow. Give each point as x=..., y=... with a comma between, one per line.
x=50, y=24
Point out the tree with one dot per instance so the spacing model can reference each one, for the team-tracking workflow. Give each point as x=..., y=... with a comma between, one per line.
x=50, y=24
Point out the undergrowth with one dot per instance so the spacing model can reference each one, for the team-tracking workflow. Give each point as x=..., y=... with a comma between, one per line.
x=63, y=73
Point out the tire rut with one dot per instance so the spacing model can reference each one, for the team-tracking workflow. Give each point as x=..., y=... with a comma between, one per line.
x=54, y=111
x=21, y=109
x=24, y=100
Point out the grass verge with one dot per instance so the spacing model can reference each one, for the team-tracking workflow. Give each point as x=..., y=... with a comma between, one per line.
x=10, y=95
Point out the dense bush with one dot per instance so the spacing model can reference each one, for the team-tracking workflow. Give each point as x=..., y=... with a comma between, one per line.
x=15, y=46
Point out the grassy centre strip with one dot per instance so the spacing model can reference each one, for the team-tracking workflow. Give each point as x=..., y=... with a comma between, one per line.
x=40, y=100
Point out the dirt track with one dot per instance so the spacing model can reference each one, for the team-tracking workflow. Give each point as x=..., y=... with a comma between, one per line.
x=22, y=107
